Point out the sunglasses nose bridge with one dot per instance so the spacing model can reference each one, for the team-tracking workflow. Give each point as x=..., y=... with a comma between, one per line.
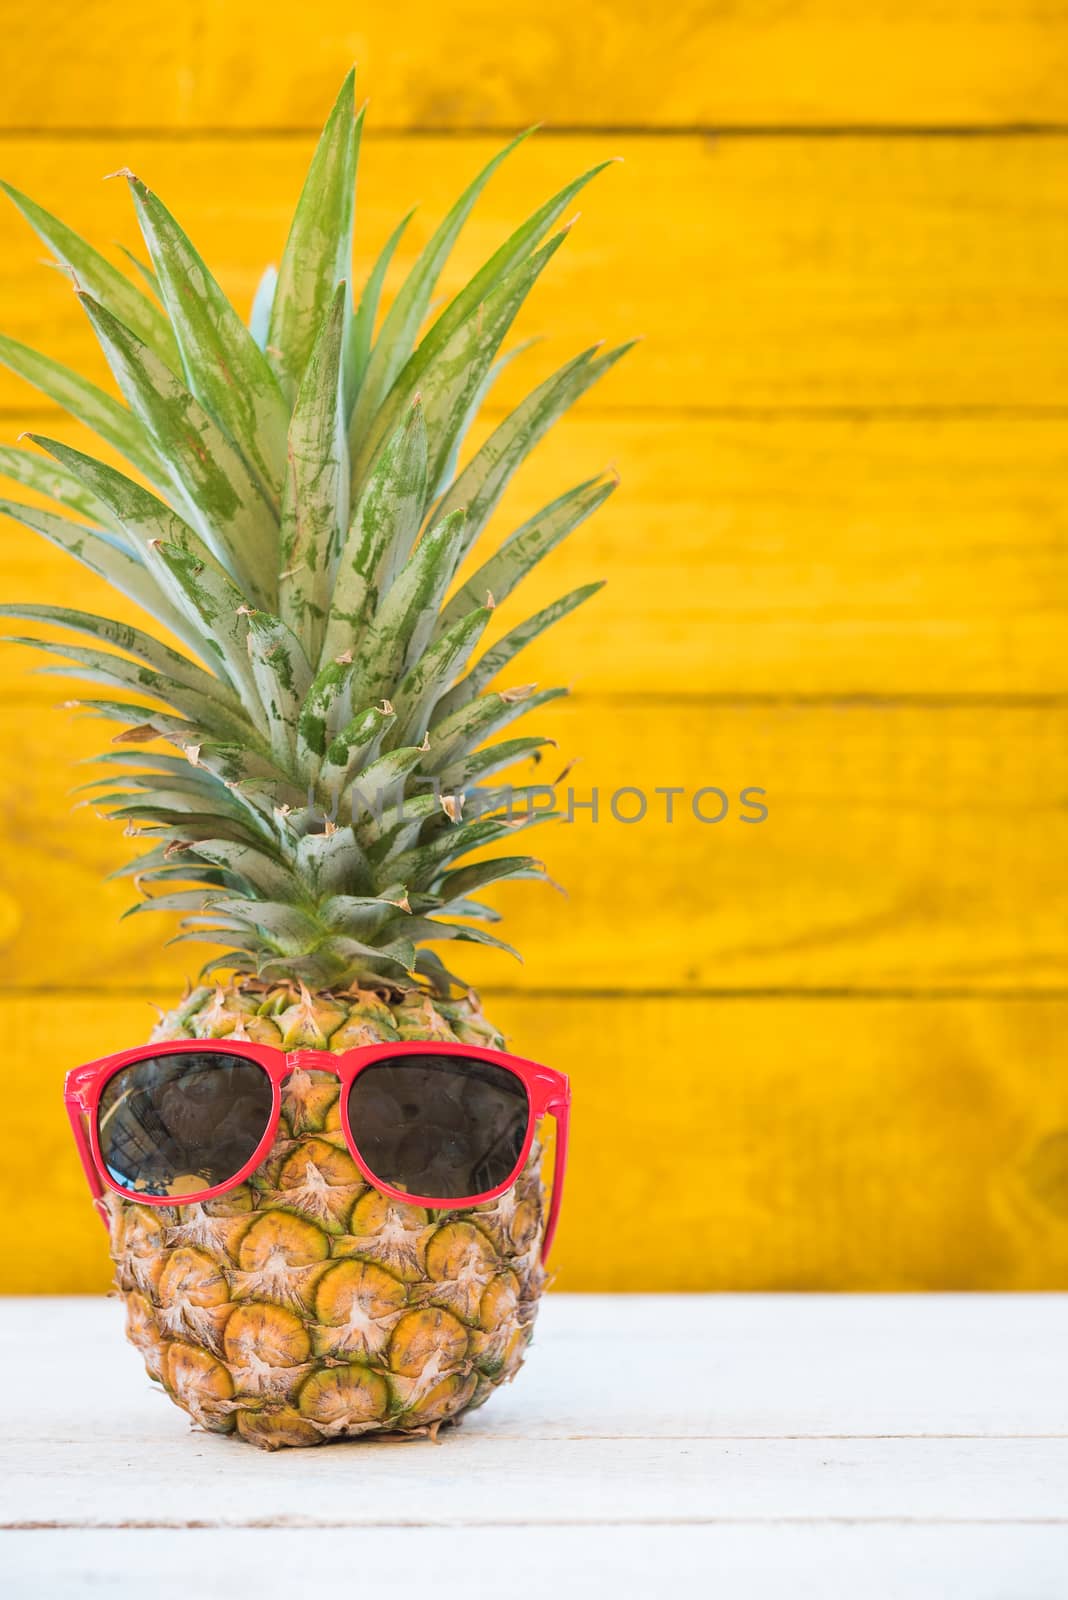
x=311, y=1061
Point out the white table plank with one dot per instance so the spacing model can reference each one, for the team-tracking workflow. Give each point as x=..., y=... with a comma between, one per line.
x=739, y=1563
x=790, y=1445
x=646, y=1366
x=795, y=1365
x=475, y=1479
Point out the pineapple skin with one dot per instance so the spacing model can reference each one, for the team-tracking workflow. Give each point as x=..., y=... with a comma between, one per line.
x=305, y=1306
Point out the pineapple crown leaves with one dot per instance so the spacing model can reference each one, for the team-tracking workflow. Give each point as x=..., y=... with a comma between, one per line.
x=295, y=521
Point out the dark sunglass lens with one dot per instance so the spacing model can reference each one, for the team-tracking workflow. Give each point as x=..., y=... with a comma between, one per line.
x=176, y=1124
x=441, y=1126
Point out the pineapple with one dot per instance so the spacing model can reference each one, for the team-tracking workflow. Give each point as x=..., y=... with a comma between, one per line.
x=297, y=531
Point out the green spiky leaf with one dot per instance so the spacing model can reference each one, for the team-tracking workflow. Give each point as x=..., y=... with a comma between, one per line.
x=407, y=313
x=384, y=527
x=316, y=501
x=223, y=366
x=318, y=252
x=205, y=468
x=94, y=273
x=116, y=425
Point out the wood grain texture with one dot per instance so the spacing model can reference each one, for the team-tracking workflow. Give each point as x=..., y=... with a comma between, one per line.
x=782, y=274
x=611, y=62
x=906, y=847
x=881, y=1144
x=756, y=557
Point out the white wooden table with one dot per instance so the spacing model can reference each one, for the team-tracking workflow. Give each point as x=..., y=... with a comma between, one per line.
x=859, y=1447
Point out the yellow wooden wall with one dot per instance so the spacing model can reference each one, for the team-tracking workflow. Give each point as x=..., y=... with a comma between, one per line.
x=827, y=1052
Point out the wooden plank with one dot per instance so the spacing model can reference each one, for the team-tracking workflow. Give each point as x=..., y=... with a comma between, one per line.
x=768, y=1561
x=531, y=1483
x=855, y=1366
x=806, y=62
x=808, y=557
x=906, y=846
x=844, y=273
x=622, y=1481
x=880, y=1145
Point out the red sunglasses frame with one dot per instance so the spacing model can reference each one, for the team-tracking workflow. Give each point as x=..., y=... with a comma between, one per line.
x=548, y=1094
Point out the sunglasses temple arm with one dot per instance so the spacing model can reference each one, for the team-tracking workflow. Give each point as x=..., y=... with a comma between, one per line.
x=559, y=1111
x=96, y=1188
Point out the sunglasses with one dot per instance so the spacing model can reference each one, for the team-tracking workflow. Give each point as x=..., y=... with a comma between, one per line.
x=438, y=1125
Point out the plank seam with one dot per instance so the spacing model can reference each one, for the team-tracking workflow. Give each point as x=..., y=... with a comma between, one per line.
x=282, y=1523
x=1016, y=129
x=758, y=1438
